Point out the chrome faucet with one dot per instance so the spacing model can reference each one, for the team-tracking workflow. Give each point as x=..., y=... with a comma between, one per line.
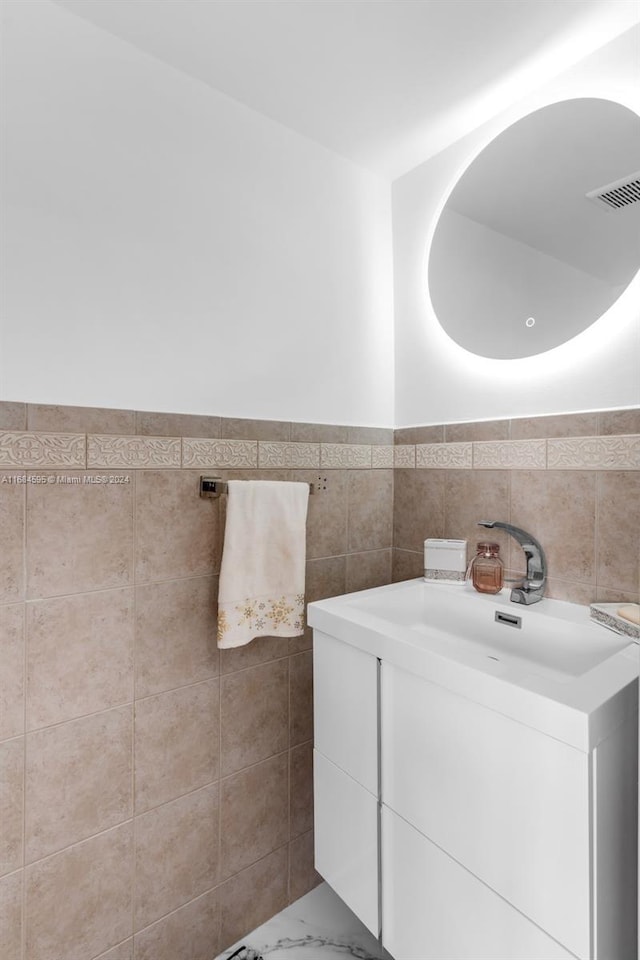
x=532, y=587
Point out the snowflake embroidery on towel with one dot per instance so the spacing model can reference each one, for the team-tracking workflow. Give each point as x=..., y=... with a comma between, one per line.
x=223, y=623
x=280, y=611
x=248, y=611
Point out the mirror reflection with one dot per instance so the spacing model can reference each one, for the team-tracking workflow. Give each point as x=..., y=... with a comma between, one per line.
x=541, y=234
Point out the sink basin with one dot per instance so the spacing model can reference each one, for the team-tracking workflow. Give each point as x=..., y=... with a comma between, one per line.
x=555, y=670
x=550, y=638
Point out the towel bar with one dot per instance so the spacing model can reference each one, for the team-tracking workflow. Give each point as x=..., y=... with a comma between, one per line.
x=212, y=487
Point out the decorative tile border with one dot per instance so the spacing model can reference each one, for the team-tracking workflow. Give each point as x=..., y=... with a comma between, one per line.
x=510, y=455
x=42, y=450
x=382, y=456
x=594, y=453
x=105, y=450
x=219, y=453
x=273, y=453
x=453, y=456
x=404, y=455
x=31, y=450
x=340, y=456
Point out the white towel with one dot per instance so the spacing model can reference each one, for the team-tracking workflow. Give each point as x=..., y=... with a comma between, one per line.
x=261, y=591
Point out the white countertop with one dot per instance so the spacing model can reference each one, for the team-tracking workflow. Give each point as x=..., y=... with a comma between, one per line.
x=558, y=673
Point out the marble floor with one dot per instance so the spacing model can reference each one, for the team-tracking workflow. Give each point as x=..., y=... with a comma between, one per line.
x=317, y=927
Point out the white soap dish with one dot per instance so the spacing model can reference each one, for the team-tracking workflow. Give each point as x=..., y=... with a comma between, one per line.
x=607, y=615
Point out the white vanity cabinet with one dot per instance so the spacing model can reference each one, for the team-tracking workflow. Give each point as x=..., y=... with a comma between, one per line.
x=462, y=832
x=346, y=774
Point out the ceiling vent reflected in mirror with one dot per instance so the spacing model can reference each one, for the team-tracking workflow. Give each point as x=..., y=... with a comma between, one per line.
x=527, y=232
x=616, y=196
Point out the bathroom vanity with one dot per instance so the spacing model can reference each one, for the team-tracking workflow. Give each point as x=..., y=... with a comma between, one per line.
x=476, y=776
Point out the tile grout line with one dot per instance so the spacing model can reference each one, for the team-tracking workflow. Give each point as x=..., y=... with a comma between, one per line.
x=23, y=929
x=219, y=781
x=25, y=675
x=134, y=551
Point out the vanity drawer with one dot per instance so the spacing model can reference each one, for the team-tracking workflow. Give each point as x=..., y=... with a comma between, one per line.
x=346, y=839
x=434, y=909
x=345, y=708
x=508, y=803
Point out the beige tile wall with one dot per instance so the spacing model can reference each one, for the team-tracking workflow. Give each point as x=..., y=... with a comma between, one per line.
x=156, y=793
x=156, y=796
x=573, y=481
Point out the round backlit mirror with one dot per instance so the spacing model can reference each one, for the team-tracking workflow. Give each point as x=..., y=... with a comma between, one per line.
x=541, y=234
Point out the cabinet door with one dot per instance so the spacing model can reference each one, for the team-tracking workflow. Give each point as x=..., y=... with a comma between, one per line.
x=506, y=802
x=346, y=839
x=345, y=708
x=433, y=909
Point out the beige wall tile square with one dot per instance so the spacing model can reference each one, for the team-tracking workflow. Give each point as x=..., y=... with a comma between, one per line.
x=48, y=418
x=319, y=433
x=618, y=559
x=407, y=565
x=176, y=854
x=11, y=670
x=79, y=537
x=149, y=423
x=302, y=875
x=473, y=495
x=97, y=915
x=370, y=435
x=254, y=814
x=176, y=743
x=177, y=532
x=11, y=798
x=13, y=416
x=11, y=916
x=618, y=421
x=301, y=788
x=327, y=515
x=238, y=429
x=367, y=570
x=259, y=650
x=430, y=434
x=111, y=452
x=79, y=655
x=558, y=508
x=254, y=712
x=418, y=507
x=301, y=698
x=123, y=951
x=569, y=590
x=253, y=896
x=12, y=514
x=191, y=932
x=478, y=430
x=325, y=578
x=370, y=510
x=78, y=780
x=564, y=425
x=175, y=634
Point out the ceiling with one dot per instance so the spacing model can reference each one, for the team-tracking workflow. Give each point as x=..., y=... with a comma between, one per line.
x=385, y=83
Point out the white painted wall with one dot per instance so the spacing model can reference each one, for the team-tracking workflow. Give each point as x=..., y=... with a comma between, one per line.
x=436, y=380
x=166, y=248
